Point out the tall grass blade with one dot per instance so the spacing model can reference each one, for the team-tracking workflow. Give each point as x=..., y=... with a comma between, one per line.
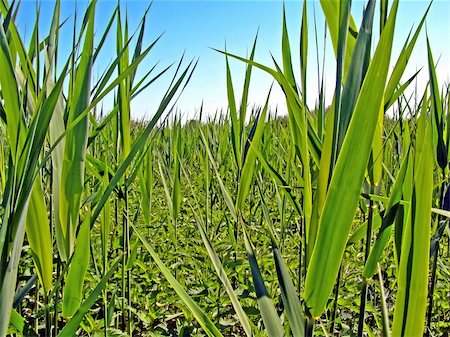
x=347, y=178
x=411, y=301
x=72, y=173
x=250, y=159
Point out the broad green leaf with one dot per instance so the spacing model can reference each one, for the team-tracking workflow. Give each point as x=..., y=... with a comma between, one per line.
x=73, y=288
x=411, y=301
x=73, y=325
x=331, y=12
x=72, y=173
x=39, y=237
x=347, y=178
x=356, y=72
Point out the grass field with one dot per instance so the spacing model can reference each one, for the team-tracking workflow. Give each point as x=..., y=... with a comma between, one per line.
x=331, y=220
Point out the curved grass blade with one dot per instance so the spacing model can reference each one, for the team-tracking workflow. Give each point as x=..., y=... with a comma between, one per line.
x=198, y=313
x=289, y=296
x=73, y=288
x=223, y=276
x=269, y=314
x=73, y=325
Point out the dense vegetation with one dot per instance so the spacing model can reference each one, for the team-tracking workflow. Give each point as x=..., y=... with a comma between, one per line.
x=329, y=220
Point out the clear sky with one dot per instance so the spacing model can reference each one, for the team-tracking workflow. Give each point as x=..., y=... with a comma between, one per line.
x=194, y=27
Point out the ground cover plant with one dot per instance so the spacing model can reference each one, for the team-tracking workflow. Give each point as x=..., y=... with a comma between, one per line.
x=332, y=220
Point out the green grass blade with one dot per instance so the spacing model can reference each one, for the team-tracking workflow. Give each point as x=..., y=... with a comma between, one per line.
x=293, y=101
x=347, y=178
x=403, y=59
x=9, y=279
x=385, y=231
x=360, y=233
x=398, y=92
x=73, y=288
x=105, y=34
x=269, y=314
x=356, y=71
x=223, y=276
x=39, y=237
x=10, y=96
x=170, y=224
x=124, y=87
x=411, y=301
x=289, y=296
x=383, y=13
x=250, y=160
x=304, y=48
x=235, y=124
x=105, y=228
x=73, y=325
x=176, y=174
x=245, y=90
x=286, y=54
x=344, y=15
x=331, y=12
x=198, y=313
x=439, y=146
x=72, y=173
x=226, y=194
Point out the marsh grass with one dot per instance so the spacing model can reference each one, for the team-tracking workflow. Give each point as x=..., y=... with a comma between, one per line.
x=327, y=220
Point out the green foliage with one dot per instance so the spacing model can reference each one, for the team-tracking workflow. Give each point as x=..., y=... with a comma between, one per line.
x=240, y=223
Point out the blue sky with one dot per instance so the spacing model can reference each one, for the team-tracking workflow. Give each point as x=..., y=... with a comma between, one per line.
x=193, y=27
